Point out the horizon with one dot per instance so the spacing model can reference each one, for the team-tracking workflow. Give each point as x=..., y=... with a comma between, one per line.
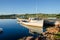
x=29, y=6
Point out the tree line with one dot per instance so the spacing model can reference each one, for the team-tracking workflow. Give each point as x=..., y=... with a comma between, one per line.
x=13, y=16
x=40, y=15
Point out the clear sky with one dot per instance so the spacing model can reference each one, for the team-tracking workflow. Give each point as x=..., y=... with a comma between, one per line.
x=29, y=6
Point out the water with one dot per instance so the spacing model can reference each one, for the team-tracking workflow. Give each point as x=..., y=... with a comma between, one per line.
x=12, y=30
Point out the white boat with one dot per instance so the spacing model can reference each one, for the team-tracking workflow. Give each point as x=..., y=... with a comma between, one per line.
x=32, y=25
x=36, y=23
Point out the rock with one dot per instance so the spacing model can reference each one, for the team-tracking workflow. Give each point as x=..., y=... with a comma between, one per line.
x=30, y=38
x=57, y=23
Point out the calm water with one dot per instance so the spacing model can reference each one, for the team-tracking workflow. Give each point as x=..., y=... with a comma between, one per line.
x=12, y=30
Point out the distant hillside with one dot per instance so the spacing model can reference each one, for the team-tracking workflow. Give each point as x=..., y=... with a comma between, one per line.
x=25, y=16
x=40, y=15
x=8, y=16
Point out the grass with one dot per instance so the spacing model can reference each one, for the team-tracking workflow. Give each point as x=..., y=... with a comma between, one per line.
x=57, y=35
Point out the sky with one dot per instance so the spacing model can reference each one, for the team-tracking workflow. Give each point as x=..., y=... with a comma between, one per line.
x=29, y=6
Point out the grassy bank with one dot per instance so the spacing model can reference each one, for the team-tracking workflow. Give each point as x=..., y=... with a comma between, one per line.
x=57, y=36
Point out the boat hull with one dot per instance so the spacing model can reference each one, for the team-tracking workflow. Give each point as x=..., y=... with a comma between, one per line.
x=35, y=26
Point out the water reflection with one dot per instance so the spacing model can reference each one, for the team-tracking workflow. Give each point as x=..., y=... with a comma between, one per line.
x=12, y=30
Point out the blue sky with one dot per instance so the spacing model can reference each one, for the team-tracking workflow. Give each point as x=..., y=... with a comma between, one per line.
x=29, y=6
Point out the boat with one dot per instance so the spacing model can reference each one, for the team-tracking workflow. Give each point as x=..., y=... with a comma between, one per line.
x=33, y=24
